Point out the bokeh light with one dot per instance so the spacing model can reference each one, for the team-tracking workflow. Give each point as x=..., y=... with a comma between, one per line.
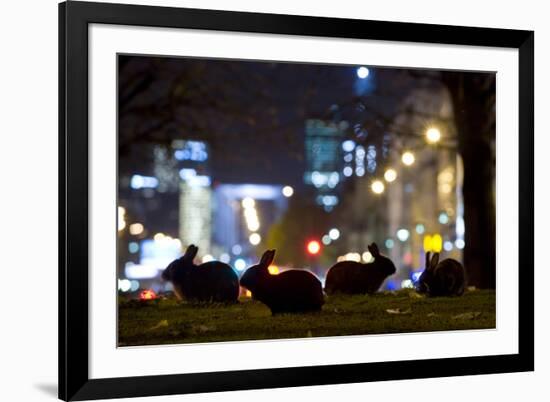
x=408, y=158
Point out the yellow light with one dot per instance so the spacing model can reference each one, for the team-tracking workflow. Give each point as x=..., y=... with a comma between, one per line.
x=408, y=158
x=367, y=257
x=255, y=239
x=207, y=258
x=352, y=257
x=136, y=229
x=121, y=218
x=273, y=270
x=248, y=203
x=433, y=243
x=248, y=293
x=437, y=243
x=390, y=175
x=158, y=236
x=377, y=187
x=427, y=243
x=433, y=135
x=288, y=191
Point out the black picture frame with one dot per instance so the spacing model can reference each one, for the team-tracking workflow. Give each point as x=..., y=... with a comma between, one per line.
x=74, y=381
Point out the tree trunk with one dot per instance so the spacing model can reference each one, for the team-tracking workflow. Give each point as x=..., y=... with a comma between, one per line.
x=473, y=103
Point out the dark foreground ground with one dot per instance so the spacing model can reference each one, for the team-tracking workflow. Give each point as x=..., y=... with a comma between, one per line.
x=168, y=321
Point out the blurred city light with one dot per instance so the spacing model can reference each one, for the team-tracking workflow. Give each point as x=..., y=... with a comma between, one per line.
x=225, y=258
x=121, y=222
x=159, y=236
x=273, y=270
x=459, y=243
x=326, y=240
x=134, y=285
x=427, y=243
x=190, y=177
x=362, y=72
x=192, y=151
x=403, y=234
x=148, y=294
x=460, y=228
x=389, y=243
x=140, y=271
x=348, y=171
x=124, y=285
x=288, y=191
x=255, y=239
x=433, y=135
x=377, y=187
x=207, y=258
x=313, y=247
x=136, y=229
x=420, y=229
x=367, y=257
x=240, y=264
x=437, y=243
x=408, y=158
x=157, y=254
x=443, y=218
x=137, y=181
x=348, y=145
x=416, y=275
x=248, y=202
x=133, y=247
x=407, y=284
x=390, y=175
x=333, y=179
x=448, y=245
x=334, y=233
x=236, y=249
x=352, y=257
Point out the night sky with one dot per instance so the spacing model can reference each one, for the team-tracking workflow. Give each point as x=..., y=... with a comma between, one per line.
x=251, y=113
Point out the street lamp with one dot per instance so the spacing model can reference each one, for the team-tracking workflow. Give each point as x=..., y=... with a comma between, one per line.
x=408, y=158
x=363, y=72
x=377, y=187
x=433, y=135
x=390, y=175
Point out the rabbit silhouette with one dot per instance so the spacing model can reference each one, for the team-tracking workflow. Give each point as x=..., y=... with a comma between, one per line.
x=212, y=281
x=445, y=278
x=292, y=291
x=352, y=277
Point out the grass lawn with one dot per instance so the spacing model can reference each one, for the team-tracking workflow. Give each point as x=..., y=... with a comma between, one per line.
x=167, y=321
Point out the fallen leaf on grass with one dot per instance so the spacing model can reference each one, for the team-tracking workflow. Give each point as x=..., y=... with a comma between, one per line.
x=416, y=295
x=432, y=315
x=202, y=328
x=471, y=288
x=397, y=311
x=467, y=316
x=161, y=324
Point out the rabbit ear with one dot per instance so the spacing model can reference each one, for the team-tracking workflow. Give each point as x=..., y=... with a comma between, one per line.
x=427, y=264
x=435, y=260
x=373, y=248
x=267, y=258
x=191, y=252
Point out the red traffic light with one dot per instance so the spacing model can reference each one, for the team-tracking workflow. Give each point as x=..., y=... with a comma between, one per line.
x=313, y=247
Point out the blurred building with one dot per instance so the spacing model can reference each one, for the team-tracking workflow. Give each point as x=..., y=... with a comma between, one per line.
x=167, y=205
x=323, y=152
x=424, y=204
x=242, y=216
